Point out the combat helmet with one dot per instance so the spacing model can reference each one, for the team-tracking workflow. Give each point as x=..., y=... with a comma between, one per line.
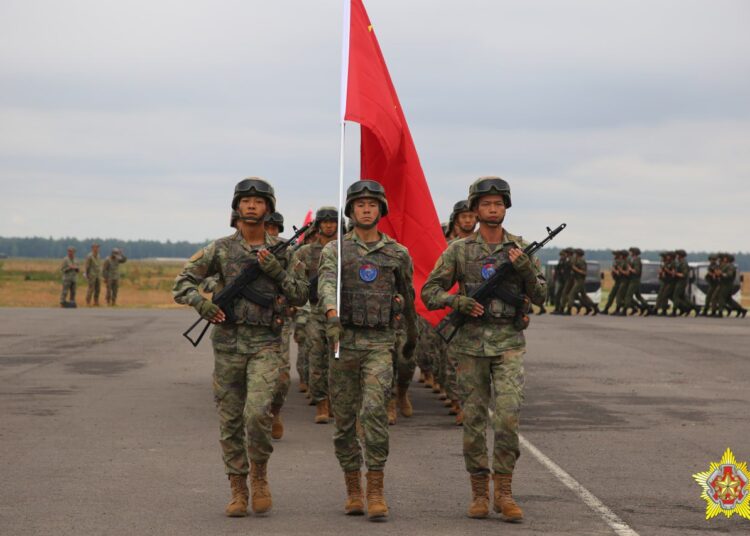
x=257, y=187
x=276, y=219
x=326, y=214
x=459, y=208
x=366, y=188
x=635, y=250
x=488, y=186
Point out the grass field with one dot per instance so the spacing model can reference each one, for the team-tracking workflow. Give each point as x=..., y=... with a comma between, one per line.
x=36, y=283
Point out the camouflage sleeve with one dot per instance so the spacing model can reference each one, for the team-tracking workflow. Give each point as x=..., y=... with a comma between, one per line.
x=327, y=275
x=407, y=291
x=87, y=267
x=295, y=285
x=435, y=293
x=536, y=286
x=200, y=266
x=123, y=258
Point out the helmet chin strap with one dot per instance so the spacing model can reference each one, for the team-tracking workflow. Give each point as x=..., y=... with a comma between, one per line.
x=368, y=226
x=491, y=223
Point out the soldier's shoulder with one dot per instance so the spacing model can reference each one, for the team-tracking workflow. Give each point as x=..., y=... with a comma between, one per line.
x=517, y=239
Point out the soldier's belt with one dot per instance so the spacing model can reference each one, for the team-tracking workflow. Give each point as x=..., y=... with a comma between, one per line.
x=495, y=321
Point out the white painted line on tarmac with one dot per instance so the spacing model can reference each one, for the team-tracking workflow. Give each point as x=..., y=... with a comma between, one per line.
x=609, y=517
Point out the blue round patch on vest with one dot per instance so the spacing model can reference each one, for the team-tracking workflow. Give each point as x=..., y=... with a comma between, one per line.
x=368, y=273
x=488, y=270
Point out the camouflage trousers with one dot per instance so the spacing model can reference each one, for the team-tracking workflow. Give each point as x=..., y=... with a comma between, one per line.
x=613, y=294
x=360, y=382
x=244, y=387
x=633, y=297
x=666, y=289
x=450, y=379
x=403, y=369
x=679, y=295
x=303, y=363
x=319, y=355
x=284, y=378
x=113, y=285
x=485, y=382
x=92, y=290
x=563, y=292
x=68, y=288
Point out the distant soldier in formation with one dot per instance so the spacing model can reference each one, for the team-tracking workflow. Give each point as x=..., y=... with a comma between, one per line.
x=713, y=276
x=248, y=358
x=274, y=226
x=69, y=269
x=681, y=305
x=617, y=277
x=462, y=221
x=666, y=283
x=578, y=290
x=111, y=274
x=92, y=271
x=376, y=297
x=633, y=298
x=726, y=285
x=318, y=352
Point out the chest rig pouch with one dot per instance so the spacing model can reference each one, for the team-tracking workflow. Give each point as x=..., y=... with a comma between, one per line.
x=508, y=301
x=262, y=302
x=368, y=288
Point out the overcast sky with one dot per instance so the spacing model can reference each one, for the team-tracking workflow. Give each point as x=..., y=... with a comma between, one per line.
x=628, y=120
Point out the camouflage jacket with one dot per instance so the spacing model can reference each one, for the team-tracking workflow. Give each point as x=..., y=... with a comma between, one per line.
x=111, y=267
x=579, y=263
x=92, y=268
x=467, y=262
x=387, y=258
x=637, y=268
x=681, y=267
x=309, y=256
x=728, y=275
x=69, y=269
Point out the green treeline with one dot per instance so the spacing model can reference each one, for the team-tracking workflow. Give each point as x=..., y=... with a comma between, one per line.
x=38, y=247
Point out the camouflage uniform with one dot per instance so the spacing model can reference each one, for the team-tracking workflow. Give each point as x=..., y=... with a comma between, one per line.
x=248, y=358
x=69, y=269
x=679, y=295
x=617, y=277
x=376, y=295
x=92, y=271
x=666, y=286
x=111, y=275
x=315, y=334
x=712, y=279
x=578, y=290
x=300, y=337
x=284, y=374
x=633, y=296
x=565, y=275
x=489, y=349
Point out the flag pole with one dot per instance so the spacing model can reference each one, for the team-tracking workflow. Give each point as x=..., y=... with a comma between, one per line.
x=347, y=9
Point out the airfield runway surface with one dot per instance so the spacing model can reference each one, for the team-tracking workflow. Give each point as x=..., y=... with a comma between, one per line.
x=107, y=426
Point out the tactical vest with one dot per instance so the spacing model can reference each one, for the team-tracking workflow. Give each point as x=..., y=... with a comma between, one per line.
x=369, y=294
x=245, y=310
x=478, y=267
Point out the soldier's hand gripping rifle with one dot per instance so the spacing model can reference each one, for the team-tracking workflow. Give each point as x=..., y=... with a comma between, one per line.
x=224, y=299
x=448, y=327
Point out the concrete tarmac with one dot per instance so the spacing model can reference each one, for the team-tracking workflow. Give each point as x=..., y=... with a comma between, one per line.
x=107, y=426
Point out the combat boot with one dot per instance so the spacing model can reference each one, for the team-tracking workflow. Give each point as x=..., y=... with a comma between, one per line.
x=429, y=380
x=392, y=411
x=480, y=496
x=455, y=408
x=302, y=387
x=460, y=417
x=404, y=403
x=376, y=505
x=443, y=395
x=421, y=376
x=436, y=387
x=259, y=485
x=277, y=427
x=504, y=503
x=596, y=310
x=355, y=500
x=237, y=507
x=321, y=412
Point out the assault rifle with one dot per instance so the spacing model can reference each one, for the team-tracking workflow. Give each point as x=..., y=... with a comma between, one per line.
x=448, y=326
x=240, y=288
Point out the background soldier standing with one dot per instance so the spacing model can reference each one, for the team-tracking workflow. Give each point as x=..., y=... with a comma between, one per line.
x=376, y=297
x=566, y=281
x=327, y=226
x=92, y=271
x=69, y=269
x=491, y=345
x=111, y=274
x=247, y=352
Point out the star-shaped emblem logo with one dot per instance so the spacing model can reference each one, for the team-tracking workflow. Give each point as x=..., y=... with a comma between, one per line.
x=725, y=487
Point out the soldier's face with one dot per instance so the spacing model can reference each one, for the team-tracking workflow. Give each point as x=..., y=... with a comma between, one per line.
x=466, y=221
x=328, y=228
x=253, y=208
x=366, y=212
x=272, y=229
x=491, y=209
x=71, y=253
x=95, y=250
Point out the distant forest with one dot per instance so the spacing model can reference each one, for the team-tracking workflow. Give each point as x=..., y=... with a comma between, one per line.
x=140, y=249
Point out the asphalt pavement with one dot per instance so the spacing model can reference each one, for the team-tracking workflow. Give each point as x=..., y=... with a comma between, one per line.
x=107, y=426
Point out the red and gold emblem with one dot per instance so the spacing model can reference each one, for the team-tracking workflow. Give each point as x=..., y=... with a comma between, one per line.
x=725, y=487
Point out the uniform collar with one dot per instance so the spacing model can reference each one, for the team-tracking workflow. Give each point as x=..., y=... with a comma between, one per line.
x=268, y=241
x=509, y=240
x=384, y=239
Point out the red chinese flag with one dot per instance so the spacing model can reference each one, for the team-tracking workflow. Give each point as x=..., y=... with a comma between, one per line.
x=388, y=152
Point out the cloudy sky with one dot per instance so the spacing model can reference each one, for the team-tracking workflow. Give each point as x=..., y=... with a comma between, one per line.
x=629, y=120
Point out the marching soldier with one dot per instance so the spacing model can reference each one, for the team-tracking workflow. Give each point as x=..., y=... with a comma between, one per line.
x=376, y=297
x=617, y=276
x=490, y=347
x=564, y=273
x=327, y=226
x=462, y=221
x=667, y=282
x=679, y=295
x=69, y=269
x=713, y=276
x=633, y=297
x=726, y=285
x=248, y=358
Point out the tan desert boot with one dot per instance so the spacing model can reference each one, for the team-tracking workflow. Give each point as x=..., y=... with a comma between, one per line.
x=376, y=505
x=262, y=501
x=480, y=496
x=404, y=403
x=504, y=503
x=355, y=499
x=237, y=507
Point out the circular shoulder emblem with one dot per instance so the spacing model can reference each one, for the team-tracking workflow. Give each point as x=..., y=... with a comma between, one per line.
x=368, y=273
x=488, y=269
